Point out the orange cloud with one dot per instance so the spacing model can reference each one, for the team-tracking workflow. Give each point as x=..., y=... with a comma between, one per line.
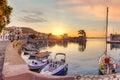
x=93, y=9
x=114, y=13
x=85, y=2
x=89, y=13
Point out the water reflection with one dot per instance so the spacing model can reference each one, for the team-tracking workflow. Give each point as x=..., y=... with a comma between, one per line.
x=62, y=43
x=86, y=63
x=82, y=47
x=114, y=46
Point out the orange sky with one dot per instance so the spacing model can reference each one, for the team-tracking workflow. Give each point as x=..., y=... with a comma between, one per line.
x=66, y=16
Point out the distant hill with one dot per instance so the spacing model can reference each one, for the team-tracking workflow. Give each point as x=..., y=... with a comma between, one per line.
x=28, y=30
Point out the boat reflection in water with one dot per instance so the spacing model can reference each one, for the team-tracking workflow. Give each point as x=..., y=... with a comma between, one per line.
x=107, y=65
x=114, y=46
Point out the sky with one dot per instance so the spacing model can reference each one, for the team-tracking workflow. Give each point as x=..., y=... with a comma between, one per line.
x=66, y=16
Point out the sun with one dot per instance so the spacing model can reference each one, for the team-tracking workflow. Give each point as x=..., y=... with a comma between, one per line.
x=58, y=31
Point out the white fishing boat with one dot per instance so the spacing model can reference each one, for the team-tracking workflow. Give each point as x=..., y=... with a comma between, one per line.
x=56, y=67
x=30, y=50
x=40, y=61
x=107, y=65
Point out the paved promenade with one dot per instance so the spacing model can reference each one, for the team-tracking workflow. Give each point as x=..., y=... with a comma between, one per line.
x=2, y=51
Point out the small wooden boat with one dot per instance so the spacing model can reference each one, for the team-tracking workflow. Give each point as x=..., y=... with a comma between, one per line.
x=107, y=65
x=56, y=67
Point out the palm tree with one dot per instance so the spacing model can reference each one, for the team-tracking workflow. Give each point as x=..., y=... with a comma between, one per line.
x=82, y=32
x=83, y=37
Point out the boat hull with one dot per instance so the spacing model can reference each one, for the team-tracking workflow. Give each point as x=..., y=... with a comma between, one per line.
x=61, y=72
x=39, y=65
x=107, y=65
x=36, y=67
x=58, y=71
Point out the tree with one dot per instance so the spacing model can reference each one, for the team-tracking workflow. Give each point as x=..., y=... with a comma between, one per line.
x=82, y=32
x=5, y=12
x=33, y=36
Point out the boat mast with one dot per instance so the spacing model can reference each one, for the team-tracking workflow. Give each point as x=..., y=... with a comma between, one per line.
x=107, y=25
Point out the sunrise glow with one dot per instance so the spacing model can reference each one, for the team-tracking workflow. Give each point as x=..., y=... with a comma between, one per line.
x=58, y=31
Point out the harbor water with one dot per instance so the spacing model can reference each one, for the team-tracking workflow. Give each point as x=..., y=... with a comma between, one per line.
x=82, y=58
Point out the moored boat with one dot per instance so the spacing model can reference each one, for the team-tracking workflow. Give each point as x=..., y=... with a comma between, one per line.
x=40, y=61
x=107, y=65
x=30, y=52
x=56, y=67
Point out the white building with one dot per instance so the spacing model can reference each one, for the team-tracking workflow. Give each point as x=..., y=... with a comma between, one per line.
x=15, y=33
x=4, y=35
x=11, y=32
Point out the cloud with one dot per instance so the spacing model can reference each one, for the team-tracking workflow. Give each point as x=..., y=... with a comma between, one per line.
x=32, y=17
x=80, y=2
x=32, y=12
x=89, y=13
x=92, y=9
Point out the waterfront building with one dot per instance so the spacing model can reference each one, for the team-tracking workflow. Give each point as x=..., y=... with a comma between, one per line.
x=15, y=33
x=4, y=35
x=114, y=37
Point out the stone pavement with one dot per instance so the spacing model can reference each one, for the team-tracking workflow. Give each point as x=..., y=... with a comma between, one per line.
x=3, y=45
x=98, y=77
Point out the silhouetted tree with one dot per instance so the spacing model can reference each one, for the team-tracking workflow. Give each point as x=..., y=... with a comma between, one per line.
x=82, y=32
